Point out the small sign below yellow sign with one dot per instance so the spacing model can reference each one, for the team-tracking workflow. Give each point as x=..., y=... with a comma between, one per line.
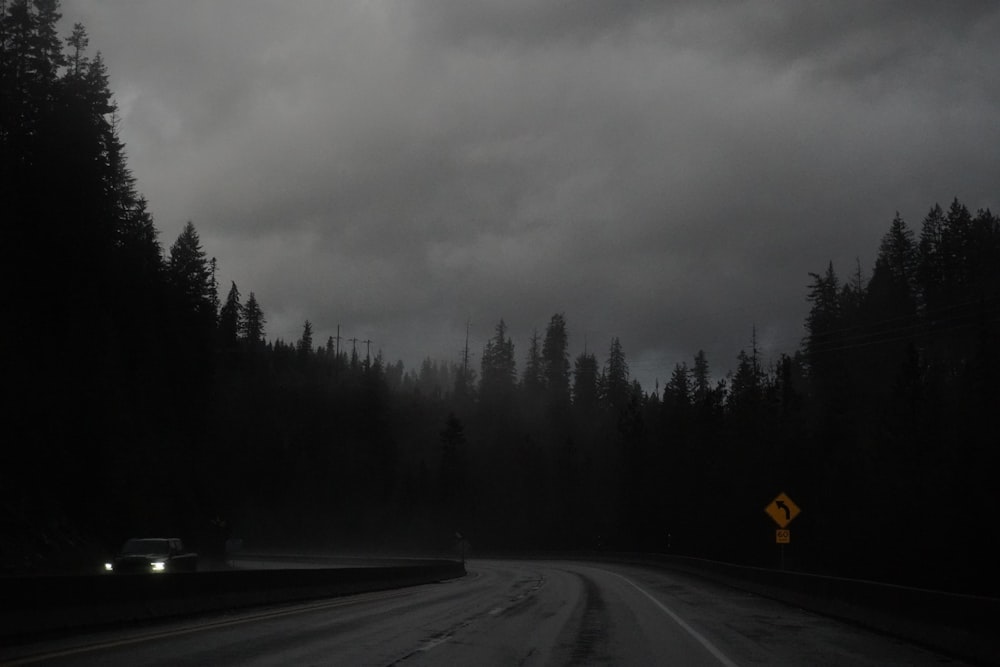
x=783, y=536
x=782, y=510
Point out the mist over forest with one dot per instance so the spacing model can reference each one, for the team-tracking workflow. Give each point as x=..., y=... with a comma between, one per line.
x=147, y=398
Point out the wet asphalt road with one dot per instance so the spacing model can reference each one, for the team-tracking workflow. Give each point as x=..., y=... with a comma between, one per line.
x=503, y=613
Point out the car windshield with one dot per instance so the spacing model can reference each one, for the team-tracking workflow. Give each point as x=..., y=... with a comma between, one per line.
x=133, y=547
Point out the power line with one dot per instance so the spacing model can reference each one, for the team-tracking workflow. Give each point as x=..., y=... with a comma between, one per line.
x=921, y=328
x=881, y=341
x=925, y=315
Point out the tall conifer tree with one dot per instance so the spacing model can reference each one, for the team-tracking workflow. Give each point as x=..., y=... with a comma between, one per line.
x=555, y=362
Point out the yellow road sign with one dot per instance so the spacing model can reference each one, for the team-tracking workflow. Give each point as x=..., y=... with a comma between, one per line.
x=782, y=510
x=783, y=536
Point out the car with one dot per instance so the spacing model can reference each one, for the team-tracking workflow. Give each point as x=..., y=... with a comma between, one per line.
x=152, y=555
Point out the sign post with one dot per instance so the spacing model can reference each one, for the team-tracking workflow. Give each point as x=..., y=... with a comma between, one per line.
x=783, y=511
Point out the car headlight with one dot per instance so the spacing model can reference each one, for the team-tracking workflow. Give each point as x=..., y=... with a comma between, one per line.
x=108, y=567
x=159, y=566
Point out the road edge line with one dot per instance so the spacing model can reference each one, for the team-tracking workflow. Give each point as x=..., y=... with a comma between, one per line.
x=709, y=646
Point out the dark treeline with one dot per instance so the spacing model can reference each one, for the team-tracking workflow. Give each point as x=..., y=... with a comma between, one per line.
x=145, y=399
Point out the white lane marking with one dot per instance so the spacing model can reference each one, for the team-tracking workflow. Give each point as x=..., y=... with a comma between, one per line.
x=719, y=655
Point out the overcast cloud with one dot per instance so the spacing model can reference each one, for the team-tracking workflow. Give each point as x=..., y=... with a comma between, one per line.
x=668, y=173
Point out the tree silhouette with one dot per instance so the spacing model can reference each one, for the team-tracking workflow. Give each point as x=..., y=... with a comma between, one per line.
x=253, y=322
x=533, y=380
x=190, y=272
x=231, y=318
x=585, y=382
x=555, y=363
x=614, y=383
x=498, y=369
x=305, y=344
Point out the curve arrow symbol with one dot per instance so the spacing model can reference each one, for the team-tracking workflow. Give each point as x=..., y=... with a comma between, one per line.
x=781, y=505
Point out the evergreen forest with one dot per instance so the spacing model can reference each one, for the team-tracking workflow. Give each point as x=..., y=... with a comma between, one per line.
x=145, y=398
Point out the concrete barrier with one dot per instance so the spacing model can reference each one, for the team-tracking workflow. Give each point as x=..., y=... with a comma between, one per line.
x=965, y=626
x=36, y=606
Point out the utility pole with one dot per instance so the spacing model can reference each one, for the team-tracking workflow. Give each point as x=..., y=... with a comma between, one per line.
x=368, y=352
x=336, y=354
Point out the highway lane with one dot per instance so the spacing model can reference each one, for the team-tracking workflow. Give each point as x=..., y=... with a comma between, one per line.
x=503, y=613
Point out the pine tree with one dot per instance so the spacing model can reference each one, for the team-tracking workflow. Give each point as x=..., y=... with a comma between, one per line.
x=139, y=244
x=305, y=344
x=931, y=261
x=190, y=272
x=533, y=380
x=498, y=370
x=464, y=375
x=46, y=47
x=253, y=322
x=824, y=319
x=745, y=384
x=889, y=320
x=585, y=378
x=31, y=58
x=984, y=257
x=428, y=381
x=956, y=242
x=78, y=42
x=897, y=255
x=231, y=318
x=678, y=395
x=701, y=377
x=615, y=389
x=555, y=362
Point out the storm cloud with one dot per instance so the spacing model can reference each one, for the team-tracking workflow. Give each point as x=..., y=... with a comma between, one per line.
x=668, y=173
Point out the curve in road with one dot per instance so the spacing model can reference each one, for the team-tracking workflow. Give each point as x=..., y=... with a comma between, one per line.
x=503, y=613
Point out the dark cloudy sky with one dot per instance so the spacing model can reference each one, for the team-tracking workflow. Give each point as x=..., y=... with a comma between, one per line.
x=664, y=172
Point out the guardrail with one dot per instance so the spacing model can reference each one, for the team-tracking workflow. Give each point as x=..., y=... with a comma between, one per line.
x=36, y=606
x=965, y=626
